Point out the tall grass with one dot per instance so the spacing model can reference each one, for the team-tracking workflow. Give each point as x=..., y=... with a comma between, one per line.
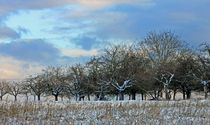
x=190, y=112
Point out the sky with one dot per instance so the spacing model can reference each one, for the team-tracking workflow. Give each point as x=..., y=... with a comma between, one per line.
x=39, y=33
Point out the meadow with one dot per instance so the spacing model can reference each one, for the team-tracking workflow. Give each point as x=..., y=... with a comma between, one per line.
x=182, y=112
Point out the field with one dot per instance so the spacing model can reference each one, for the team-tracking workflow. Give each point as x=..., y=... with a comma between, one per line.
x=184, y=112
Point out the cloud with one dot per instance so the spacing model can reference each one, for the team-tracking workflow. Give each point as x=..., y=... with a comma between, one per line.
x=15, y=69
x=11, y=68
x=11, y=5
x=87, y=15
x=102, y=24
x=86, y=42
x=6, y=32
x=41, y=52
x=112, y=22
x=123, y=20
x=79, y=52
x=102, y=3
x=128, y=21
x=23, y=30
x=30, y=50
x=116, y=28
x=18, y=59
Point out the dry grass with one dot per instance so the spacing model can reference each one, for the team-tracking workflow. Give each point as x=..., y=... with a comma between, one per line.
x=191, y=112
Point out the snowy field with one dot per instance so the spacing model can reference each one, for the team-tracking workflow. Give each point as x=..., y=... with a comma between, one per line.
x=183, y=112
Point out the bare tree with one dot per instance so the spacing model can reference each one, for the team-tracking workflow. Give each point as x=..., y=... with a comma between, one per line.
x=161, y=48
x=205, y=48
x=183, y=80
x=165, y=79
x=95, y=76
x=15, y=89
x=202, y=72
x=118, y=69
x=138, y=66
x=3, y=88
x=37, y=84
x=55, y=79
x=77, y=81
x=25, y=89
x=204, y=83
x=121, y=88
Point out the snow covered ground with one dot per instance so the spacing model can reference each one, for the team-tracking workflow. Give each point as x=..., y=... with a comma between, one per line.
x=183, y=112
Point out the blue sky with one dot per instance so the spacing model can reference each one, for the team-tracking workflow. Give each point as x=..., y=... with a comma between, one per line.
x=39, y=33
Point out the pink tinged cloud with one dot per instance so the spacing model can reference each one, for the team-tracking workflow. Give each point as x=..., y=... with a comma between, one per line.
x=11, y=5
x=11, y=68
x=102, y=3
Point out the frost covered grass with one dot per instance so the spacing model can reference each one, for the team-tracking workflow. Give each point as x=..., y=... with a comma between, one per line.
x=189, y=112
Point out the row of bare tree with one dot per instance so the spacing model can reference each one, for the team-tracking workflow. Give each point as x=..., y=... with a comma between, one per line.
x=159, y=65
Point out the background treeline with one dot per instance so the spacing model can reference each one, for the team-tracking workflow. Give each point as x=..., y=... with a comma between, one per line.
x=158, y=66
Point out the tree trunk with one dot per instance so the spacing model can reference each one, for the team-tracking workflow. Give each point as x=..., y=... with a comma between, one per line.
x=166, y=93
x=129, y=96
x=101, y=96
x=133, y=95
x=205, y=91
x=1, y=97
x=121, y=96
x=97, y=97
x=142, y=96
x=188, y=92
x=88, y=97
x=38, y=97
x=75, y=97
x=15, y=97
x=169, y=95
x=56, y=97
x=81, y=98
x=183, y=94
x=174, y=96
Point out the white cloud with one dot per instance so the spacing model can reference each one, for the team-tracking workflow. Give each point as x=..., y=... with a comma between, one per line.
x=79, y=52
x=11, y=68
